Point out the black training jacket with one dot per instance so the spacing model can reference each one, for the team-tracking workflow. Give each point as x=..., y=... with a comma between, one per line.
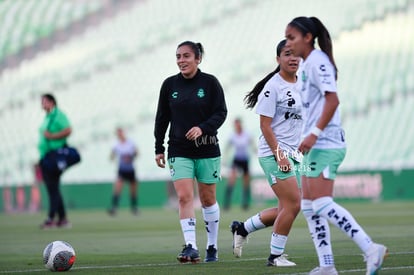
x=185, y=103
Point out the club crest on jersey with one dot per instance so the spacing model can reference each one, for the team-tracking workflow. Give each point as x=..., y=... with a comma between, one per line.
x=201, y=93
x=174, y=95
x=304, y=76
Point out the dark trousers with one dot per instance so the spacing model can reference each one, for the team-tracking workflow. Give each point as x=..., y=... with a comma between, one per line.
x=51, y=179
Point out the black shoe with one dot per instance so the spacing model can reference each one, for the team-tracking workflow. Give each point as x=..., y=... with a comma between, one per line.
x=112, y=212
x=211, y=255
x=48, y=224
x=135, y=211
x=189, y=254
x=64, y=223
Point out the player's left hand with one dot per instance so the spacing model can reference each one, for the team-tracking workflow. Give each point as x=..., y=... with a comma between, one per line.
x=194, y=133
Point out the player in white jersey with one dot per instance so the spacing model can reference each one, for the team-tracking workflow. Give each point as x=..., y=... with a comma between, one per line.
x=125, y=151
x=324, y=146
x=241, y=141
x=279, y=106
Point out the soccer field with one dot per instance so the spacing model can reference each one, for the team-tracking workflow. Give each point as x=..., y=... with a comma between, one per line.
x=149, y=243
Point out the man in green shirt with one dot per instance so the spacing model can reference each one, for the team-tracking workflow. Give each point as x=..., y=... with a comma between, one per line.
x=53, y=134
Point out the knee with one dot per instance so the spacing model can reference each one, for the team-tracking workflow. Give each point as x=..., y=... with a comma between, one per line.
x=296, y=206
x=292, y=207
x=185, y=199
x=207, y=201
x=321, y=203
x=306, y=208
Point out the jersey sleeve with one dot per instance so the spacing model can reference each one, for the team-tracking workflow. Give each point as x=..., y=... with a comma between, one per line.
x=324, y=75
x=266, y=102
x=219, y=113
x=59, y=123
x=162, y=119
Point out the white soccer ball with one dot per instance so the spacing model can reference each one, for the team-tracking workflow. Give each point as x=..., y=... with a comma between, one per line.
x=59, y=256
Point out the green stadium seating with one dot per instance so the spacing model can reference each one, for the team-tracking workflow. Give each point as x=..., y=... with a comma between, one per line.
x=111, y=74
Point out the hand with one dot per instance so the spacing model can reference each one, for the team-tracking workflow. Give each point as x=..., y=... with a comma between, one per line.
x=160, y=160
x=48, y=134
x=284, y=164
x=307, y=144
x=194, y=133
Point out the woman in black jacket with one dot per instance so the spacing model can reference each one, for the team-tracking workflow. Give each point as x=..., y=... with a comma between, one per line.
x=192, y=103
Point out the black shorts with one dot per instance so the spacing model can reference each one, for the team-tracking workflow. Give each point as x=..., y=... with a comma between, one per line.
x=242, y=165
x=127, y=175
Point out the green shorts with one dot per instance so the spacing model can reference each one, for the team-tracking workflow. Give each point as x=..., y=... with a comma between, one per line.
x=324, y=161
x=206, y=170
x=272, y=171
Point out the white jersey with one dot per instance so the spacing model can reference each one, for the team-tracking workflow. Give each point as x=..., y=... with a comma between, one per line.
x=125, y=152
x=281, y=101
x=318, y=77
x=241, y=143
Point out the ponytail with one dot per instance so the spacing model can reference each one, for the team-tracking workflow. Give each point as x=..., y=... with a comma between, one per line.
x=324, y=41
x=251, y=98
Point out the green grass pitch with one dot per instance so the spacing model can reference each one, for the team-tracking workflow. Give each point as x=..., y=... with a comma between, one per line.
x=150, y=242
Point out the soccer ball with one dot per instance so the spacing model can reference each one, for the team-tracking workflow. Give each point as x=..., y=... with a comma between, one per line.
x=59, y=256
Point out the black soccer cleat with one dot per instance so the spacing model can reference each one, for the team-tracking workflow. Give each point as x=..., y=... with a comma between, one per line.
x=211, y=255
x=189, y=254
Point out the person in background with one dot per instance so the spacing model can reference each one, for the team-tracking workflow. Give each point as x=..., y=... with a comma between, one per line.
x=192, y=103
x=241, y=141
x=324, y=146
x=53, y=134
x=125, y=151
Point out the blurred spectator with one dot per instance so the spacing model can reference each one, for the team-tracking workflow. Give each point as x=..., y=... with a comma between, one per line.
x=54, y=132
x=125, y=151
x=241, y=141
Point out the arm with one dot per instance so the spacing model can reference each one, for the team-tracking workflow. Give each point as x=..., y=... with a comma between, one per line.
x=281, y=159
x=162, y=120
x=219, y=111
x=329, y=108
x=331, y=104
x=59, y=135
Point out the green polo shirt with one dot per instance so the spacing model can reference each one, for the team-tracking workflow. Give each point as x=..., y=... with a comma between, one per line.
x=54, y=122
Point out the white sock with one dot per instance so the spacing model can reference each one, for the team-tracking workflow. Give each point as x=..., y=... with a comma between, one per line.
x=188, y=227
x=320, y=233
x=211, y=216
x=277, y=244
x=253, y=223
x=342, y=219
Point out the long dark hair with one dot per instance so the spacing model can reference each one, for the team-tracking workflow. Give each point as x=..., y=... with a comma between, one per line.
x=318, y=30
x=251, y=98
